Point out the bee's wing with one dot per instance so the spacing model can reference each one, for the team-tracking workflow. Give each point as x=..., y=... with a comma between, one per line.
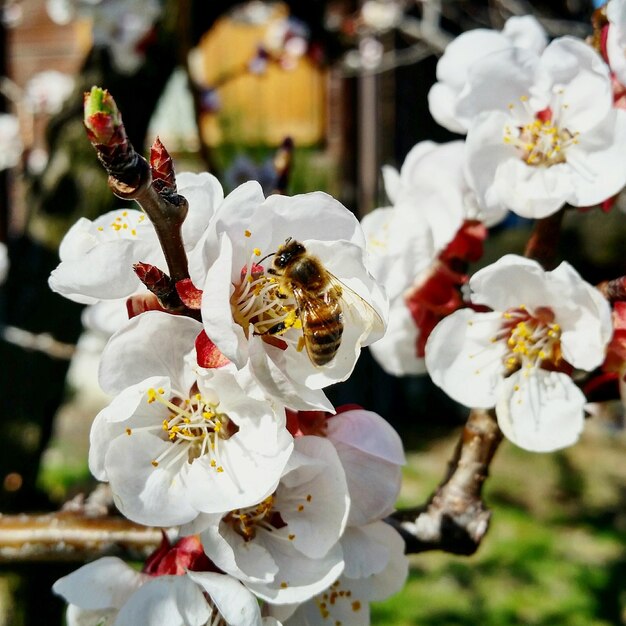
x=355, y=309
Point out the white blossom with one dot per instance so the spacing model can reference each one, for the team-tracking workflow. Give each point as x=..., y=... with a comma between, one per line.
x=558, y=141
x=431, y=201
x=519, y=358
x=286, y=549
x=97, y=256
x=256, y=317
x=177, y=440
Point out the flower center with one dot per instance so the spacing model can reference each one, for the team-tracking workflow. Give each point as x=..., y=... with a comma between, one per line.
x=532, y=340
x=543, y=140
x=259, y=300
x=247, y=521
x=194, y=426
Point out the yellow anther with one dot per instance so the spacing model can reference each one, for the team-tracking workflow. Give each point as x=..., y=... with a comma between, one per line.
x=155, y=463
x=247, y=233
x=129, y=431
x=257, y=252
x=100, y=228
x=220, y=469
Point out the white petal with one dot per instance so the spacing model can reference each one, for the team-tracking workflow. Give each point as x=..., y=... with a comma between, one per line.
x=540, y=411
x=371, y=453
x=396, y=352
x=166, y=601
x=299, y=578
x=234, y=602
x=103, y=584
x=249, y=561
x=462, y=359
x=154, y=496
x=151, y=344
x=391, y=178
x=105, y=272
x=491, y=285
x=312, y=496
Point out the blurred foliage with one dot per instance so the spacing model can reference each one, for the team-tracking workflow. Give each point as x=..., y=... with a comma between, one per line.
x=554, y=555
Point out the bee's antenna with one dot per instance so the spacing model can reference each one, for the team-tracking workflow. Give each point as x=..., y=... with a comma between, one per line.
x=267, y=256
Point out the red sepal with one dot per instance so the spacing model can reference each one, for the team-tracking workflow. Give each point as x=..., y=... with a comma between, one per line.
x=208, y=354
x=189, y=295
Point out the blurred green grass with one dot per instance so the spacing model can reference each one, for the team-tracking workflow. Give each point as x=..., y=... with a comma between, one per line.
x=554, y=554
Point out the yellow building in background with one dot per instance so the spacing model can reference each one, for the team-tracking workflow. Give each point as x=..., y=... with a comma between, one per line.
x=259, y=109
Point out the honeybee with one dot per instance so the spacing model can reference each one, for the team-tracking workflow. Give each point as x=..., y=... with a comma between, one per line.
x=322, y=301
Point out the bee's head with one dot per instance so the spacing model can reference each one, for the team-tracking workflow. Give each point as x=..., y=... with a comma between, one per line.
x=289, y=251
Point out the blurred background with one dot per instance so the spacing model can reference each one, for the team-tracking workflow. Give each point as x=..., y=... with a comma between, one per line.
x=224, y=84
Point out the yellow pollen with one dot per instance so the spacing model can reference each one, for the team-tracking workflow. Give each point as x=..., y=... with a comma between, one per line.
x=100, y=228
x=247, y=233
x=220, y=469
x=155, y=463
x=257, y=252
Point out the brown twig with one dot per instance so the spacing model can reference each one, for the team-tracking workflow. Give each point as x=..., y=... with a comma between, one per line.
x=130, y=178
x=455, y=518
x=614, y=290
x=68, y=536
x=543, y=243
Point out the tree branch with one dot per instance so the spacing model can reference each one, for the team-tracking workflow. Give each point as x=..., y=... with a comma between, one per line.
x=455, y=518
x=68, y=536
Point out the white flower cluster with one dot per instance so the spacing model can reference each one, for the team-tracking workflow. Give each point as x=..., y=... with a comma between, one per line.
x=219, y=425
x=543, y=131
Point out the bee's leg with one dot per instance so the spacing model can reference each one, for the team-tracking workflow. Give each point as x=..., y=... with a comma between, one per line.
x=272, y=271
x=274, y=330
